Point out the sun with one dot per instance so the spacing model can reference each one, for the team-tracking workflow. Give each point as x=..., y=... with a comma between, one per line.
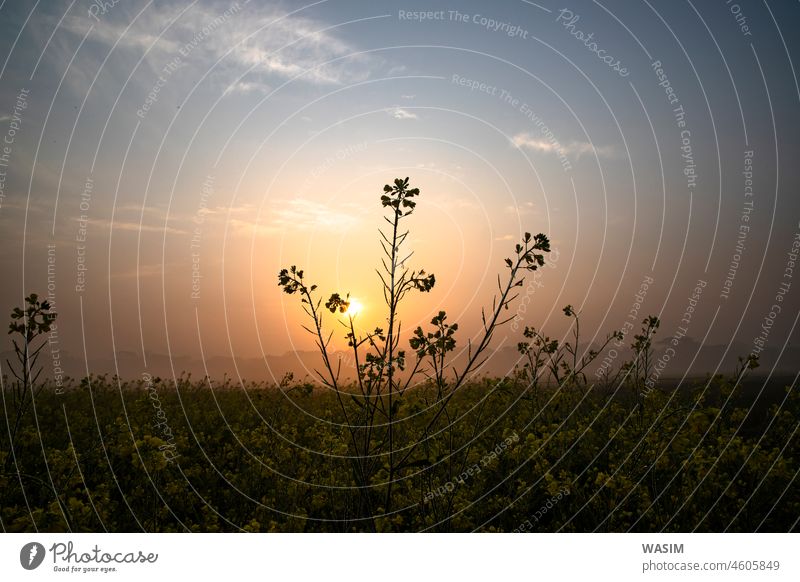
x=354, y=308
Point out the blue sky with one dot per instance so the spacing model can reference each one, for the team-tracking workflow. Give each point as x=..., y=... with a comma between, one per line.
x=506, y=115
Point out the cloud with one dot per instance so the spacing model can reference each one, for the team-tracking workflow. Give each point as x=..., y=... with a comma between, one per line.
x=400, y=113
x=247, y=36
x=524, y=209
x=574, y=149
x=302, y=214
x=144, y=270
x=118, y=225
x=247, y=87
x=137, y=209
x=138, y=36
x=293, y=215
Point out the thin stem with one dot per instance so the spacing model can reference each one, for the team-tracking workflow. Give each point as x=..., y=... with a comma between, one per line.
x=390, y=350
x=487, y=336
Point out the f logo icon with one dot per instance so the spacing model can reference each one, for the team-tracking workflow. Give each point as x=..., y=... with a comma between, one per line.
x=31, y=555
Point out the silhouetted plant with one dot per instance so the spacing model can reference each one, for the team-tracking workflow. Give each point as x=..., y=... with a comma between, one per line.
x=745, y=364
x=30, y=324
x=637, y=371
x=381, y=389
x=562, y=363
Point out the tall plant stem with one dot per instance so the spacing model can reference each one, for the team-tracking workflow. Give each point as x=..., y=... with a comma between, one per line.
x=389, y=350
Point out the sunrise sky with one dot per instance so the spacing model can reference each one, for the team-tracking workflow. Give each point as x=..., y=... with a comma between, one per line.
x=176, y=155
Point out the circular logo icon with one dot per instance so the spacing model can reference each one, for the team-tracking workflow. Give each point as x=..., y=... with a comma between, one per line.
x=31, y=555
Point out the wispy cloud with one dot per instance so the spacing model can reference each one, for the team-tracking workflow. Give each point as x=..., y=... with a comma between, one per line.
x=247, y=37
x=140, y=35
x=574, y=149
x=118, y=225
x=400, y=113
x=247, y=87
x=524, y=209
x=304, y=214
x=282, y=216
x=397, y=70
x=144, y=270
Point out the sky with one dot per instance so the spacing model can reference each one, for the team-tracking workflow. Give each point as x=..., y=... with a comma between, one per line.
x=163, y=160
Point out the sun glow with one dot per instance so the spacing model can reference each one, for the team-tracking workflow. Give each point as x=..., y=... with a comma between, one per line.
x=354, y=308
